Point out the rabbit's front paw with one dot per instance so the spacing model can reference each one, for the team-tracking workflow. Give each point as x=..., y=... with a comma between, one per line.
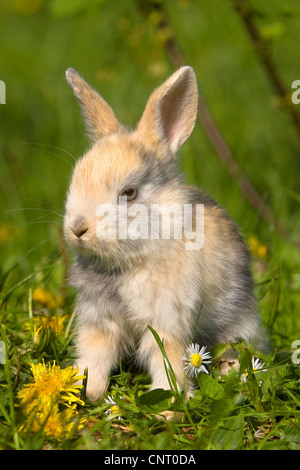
x=95, y=389
x=96, y=382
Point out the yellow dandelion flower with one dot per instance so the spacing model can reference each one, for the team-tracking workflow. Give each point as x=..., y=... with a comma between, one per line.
x=49, y=402
x=61, y=424
x=55, y=423
x=44, y=297
x=51, y=384
x=257, y=249
x=56, y=322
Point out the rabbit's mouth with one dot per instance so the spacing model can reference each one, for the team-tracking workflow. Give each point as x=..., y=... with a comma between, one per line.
x=81, y=246
x=113, y=255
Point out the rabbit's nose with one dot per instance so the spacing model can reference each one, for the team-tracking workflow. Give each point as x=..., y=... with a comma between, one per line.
x=79, y=226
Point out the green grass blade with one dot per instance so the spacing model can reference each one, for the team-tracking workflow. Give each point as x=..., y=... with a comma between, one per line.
x=168, y=367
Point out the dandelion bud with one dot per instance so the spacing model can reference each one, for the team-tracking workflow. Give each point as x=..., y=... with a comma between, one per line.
x=43, y=338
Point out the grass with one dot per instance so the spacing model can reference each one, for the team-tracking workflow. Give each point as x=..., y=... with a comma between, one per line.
x=226, y=412
x=41, y=136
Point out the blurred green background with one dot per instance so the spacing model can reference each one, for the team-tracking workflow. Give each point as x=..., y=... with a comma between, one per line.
x=120, y=50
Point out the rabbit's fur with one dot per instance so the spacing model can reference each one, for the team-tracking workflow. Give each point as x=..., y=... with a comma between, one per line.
x=125, y=285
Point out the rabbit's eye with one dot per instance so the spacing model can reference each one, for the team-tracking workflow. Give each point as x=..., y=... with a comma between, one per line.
x=129, y=193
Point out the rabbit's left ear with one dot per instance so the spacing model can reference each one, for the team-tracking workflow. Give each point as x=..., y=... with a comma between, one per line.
x=170, y=113
x=99, y=117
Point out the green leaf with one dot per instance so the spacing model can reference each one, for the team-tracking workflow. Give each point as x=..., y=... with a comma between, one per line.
x=230, y=381
x=292, y=433
x=219, y=349
x=245, y=360
x=155, y=401
x=229, y=434
x=210, y=386
x=275, y=445
x=253, y=388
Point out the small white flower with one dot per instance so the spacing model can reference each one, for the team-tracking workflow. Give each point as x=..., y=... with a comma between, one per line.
x=195, y=358
x=257, y=366
x=114, y=408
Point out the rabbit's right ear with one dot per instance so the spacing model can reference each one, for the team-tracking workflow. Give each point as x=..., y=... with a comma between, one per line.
x=99, y=117
x=170, y=113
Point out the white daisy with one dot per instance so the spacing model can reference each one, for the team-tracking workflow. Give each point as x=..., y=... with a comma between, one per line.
x=195, y=358
x=114, y=408
x=257, y=366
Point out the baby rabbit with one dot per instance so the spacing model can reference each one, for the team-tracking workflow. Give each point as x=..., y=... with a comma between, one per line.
x=202, y=292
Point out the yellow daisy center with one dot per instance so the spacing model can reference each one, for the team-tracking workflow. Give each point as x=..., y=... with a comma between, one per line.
x=196, y=360
x=114, y=409
x=254, y=372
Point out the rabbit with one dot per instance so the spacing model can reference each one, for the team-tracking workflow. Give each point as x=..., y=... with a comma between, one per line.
x=125, y=284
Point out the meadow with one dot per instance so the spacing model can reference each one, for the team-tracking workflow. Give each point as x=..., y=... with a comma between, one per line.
x=244, y=152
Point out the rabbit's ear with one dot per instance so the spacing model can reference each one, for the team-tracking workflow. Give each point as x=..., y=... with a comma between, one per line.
x=99, y=117
x=170, y=113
